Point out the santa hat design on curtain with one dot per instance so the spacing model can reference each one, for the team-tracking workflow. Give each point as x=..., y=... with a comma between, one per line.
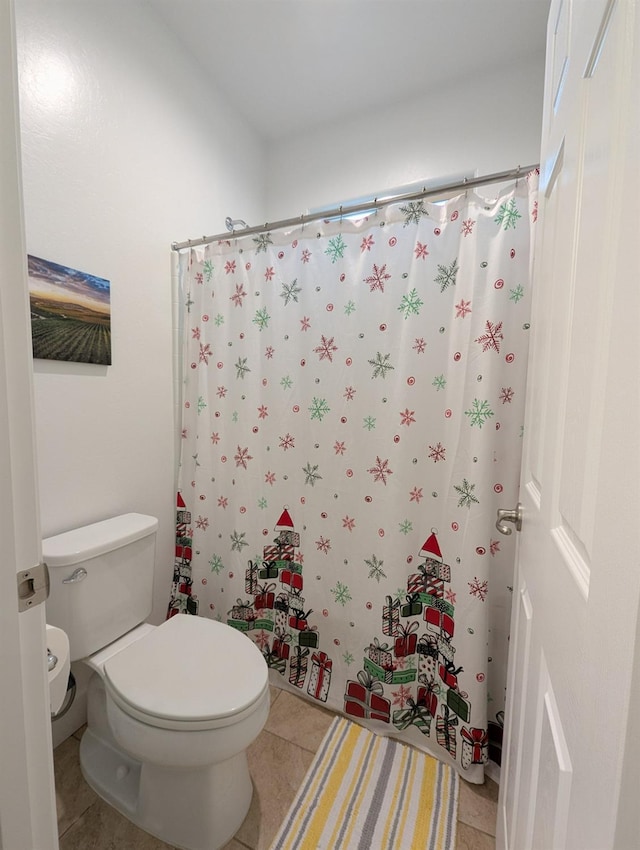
x=431, y=548
x=285, y=523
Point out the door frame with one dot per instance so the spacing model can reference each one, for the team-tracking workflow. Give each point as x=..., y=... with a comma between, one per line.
x=27, y=790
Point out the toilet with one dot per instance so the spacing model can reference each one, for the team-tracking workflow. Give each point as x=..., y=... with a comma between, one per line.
x=171, y=709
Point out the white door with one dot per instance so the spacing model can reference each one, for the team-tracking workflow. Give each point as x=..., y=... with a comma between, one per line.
x=27, y=799
x=572, y=700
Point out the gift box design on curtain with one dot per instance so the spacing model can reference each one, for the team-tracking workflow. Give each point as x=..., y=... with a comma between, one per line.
x=406, y=640
x=427, y=657
x=446, y=732
x=274, y=661
x=309, y=637
x=298, y=619
x=182, y=600
x=379, y=663
x=282, y=612
x=418, y=714
x=413, y=605
x=449, y=674
x=292, y=582
x=475, y=745
x=320, y=678
x=265, y=596
x=281, y=643
x=365, y=699
x=242, y=615
x=457, y=701
x=391, y=616
x=439, y=621
x=298, y=664
x=251, y=578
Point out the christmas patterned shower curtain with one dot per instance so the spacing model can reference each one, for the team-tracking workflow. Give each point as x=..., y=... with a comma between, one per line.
x=352, y=417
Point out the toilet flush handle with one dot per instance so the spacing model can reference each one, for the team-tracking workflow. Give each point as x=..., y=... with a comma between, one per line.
x=76, y=575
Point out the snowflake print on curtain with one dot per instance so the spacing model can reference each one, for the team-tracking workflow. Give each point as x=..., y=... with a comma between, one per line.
x=351, y=420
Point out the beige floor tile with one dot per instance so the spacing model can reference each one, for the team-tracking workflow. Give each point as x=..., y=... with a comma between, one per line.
x=468, y=838
x=299, y=721
x=478, y=805
x=102, y=828
x=235, y=845
x=73, y=795
x=277, y=769
x=274, y=693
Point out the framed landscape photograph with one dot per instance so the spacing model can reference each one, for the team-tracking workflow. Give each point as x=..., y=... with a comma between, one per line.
x=70, y=313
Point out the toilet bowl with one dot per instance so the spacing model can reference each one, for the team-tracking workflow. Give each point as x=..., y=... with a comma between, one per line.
x=171, y=709
x=171, y=712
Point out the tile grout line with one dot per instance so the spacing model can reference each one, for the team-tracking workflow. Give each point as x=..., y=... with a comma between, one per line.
x=477, y=829
x=293, y=743
x=78, y=818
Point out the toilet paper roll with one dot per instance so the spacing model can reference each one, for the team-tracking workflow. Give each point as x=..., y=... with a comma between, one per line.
x=58, y=645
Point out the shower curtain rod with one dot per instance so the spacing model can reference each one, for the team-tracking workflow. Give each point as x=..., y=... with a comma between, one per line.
x=470, y=183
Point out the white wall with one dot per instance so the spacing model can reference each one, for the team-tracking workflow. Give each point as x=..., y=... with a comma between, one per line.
x=491, y=122
x=125, y=149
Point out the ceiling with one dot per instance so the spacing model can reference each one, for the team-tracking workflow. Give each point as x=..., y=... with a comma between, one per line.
x=291, y=65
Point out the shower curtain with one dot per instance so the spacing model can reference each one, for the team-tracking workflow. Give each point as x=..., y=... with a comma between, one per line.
x=352, y=413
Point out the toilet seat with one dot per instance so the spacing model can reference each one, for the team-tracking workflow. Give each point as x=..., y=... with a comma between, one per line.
x=189, y=673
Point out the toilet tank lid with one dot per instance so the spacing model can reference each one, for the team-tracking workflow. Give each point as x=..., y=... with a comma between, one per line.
x=81, y=544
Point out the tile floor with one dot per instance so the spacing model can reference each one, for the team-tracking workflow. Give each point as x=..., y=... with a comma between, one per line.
x=278, y=760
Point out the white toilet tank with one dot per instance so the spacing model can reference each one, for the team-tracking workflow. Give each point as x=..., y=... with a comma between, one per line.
x=101, y=579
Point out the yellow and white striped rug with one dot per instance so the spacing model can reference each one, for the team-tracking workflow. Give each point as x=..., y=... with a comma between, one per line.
x=366, y=792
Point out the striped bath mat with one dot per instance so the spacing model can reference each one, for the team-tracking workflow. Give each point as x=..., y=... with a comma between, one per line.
x=367, y=792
